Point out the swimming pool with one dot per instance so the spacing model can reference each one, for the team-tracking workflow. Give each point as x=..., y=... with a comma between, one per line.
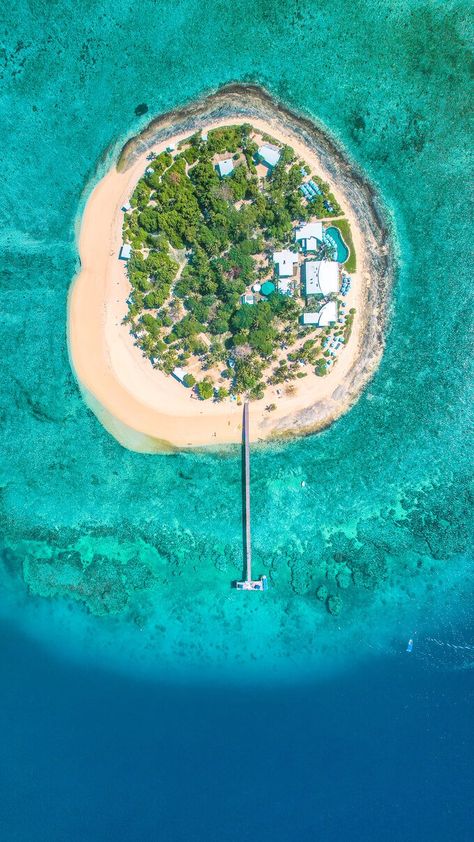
x=342, y=250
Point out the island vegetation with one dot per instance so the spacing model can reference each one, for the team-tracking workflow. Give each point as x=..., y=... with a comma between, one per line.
x=204, y=299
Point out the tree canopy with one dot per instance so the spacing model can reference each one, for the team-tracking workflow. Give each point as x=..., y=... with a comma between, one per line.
x=199, y=242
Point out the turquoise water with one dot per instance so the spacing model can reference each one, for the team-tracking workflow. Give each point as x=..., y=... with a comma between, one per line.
x=126, y=559
x=342, y=250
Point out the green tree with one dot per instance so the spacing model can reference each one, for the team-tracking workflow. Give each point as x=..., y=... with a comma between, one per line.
x=161, y=267
x=153, y=300
x=188, y=326
x=247, y=374
x=262, y=340
x=149, y=219
x=205, y=390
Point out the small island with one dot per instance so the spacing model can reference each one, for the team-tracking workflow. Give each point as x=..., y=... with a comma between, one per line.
x=235, y=269
x=236, y=265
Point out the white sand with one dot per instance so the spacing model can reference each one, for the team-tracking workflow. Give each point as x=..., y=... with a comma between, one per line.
x=146, y=409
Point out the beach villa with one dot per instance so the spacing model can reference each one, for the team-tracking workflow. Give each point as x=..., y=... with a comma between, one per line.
x=247, y=298
x=284, y=262
x=125, y=251
x=269, y=154
x=225, y=167
x=320, y=277
x=326, y=315
x=309, y=236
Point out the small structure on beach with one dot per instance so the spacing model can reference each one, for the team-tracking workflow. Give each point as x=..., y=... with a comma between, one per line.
x=225, y=167
x=126, y=207
x=125, y=251
x=320, y=277
x=269, y=154
x=326, y=315
x=309, y=236
x=179, y=374
x=284, y=262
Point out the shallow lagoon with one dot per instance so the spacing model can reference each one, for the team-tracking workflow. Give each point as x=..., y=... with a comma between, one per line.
x=389, y=483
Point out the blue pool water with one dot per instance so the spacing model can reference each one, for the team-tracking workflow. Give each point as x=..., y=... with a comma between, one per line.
x=342, y=249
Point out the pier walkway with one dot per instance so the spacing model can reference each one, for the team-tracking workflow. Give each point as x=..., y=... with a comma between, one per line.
x=248, y=584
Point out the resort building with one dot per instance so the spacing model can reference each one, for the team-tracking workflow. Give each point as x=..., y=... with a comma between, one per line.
x=269, y=154
x=310, y=236
x=179, y=374
x=320, y=277
x=285, y=286
x=326, y=315
x=247, y=298
x=284, y=262
x=125, y=251
x=225, y=167
x=126, y=207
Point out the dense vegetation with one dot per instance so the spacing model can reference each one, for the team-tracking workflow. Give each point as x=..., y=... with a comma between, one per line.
x=198, y=243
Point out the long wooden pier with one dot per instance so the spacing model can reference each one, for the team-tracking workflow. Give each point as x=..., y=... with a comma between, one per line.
x=248, y=584
x=248, y=534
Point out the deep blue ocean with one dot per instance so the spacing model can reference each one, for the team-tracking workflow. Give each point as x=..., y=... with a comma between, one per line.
x=383, y=754
x=141, y=697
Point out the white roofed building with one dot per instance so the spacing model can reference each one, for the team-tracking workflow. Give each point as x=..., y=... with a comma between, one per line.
x=320, y=277
x=247, y=298
x=225, y=167
x=309, y=235
x=179, y=374
x=284, y=262
x=325, y=316
x=125, y=251
x=285, y=286
x=269, y=154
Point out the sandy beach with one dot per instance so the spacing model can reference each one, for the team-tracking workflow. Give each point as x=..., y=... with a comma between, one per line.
x=147, y=410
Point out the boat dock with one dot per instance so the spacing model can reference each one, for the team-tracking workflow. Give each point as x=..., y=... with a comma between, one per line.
x=248, y=584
